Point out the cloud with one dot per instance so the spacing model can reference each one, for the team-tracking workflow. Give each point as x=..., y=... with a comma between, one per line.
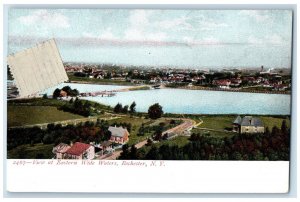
x=107, y=35
x=176, y=23
x=205, y=41
x=274, y=39
x=45, y=17
x=139, y=25
x=211, y=25
x=258, y=15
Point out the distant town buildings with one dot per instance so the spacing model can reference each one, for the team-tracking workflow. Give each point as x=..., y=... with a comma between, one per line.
x=259, y=79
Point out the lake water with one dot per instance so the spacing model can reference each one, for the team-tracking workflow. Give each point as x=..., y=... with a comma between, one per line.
x=194, y=101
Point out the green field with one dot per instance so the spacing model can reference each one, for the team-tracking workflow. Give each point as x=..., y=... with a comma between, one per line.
x=180, y=141
x=42, y=151
x=217, y=122
x=27, y=115
x=272, y=121
x=222, y=122
x=213, y=133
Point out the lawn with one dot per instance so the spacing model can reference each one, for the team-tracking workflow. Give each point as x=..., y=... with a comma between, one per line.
x=217, y=122
x=225, y=121
x=36, y=102
x=180, y=141
x=27, y=115
x=213, y=133
x=37, y=151
x=273, y=121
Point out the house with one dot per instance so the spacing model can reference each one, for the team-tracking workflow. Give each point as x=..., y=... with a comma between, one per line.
x=60, y=150
x=106, y=146
x=248, y=124
x=222, y=83
x=63, y=93
x=119, y=135
x=80, y=151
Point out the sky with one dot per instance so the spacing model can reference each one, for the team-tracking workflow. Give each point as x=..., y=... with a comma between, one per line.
x=174, y=38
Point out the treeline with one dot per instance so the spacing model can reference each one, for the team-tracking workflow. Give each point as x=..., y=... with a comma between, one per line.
x=69, y=91
x=272, y=145
x=120, y=109
x=55, y=134
x=83, y=108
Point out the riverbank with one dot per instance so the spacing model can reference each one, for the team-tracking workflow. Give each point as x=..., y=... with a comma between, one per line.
x=124, y=83
x=104, y=83
x=231, y=90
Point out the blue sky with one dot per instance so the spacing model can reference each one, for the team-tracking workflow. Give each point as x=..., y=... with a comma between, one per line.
x=182, y=38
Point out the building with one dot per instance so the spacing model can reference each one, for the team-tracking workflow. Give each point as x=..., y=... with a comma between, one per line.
x=222, y=83
x=63, y=93
x=80, y=151
x=248, y=124
x=119, y=135
x=60, y=150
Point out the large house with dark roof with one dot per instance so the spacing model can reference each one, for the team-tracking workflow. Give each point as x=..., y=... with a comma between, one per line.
x=119, y=135
x=248, y=124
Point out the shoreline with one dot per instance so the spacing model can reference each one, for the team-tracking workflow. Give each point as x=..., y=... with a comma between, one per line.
x=104, y=83
x=231, y=90
x=189, y=88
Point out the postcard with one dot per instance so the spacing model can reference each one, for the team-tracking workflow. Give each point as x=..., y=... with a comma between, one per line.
x=161, y=96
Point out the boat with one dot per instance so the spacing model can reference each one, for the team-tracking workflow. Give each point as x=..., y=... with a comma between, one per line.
x=156, y=86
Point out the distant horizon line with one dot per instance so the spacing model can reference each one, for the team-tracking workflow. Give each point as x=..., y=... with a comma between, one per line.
x=179, y=67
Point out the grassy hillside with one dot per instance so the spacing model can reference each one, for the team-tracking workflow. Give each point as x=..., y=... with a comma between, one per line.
x=27, y=115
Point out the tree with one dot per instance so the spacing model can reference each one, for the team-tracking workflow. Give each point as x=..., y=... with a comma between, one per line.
x=74, y=92
x=125, y=152
x=118, y=108
x=45, y=96
x=155, y=111
x=132, y=107
x=133, y=152
x=71, y=101
x=149, y=142
x=283, y=127
x=56, y=93
x=67, y=89
x=125, y=109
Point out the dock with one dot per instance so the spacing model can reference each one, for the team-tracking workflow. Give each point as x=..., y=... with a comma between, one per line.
x=98, y=93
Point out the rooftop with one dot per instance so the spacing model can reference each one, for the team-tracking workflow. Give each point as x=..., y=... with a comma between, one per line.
x=78, y=148
x=248, y=121
x=117, y=131
x=61, y=148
